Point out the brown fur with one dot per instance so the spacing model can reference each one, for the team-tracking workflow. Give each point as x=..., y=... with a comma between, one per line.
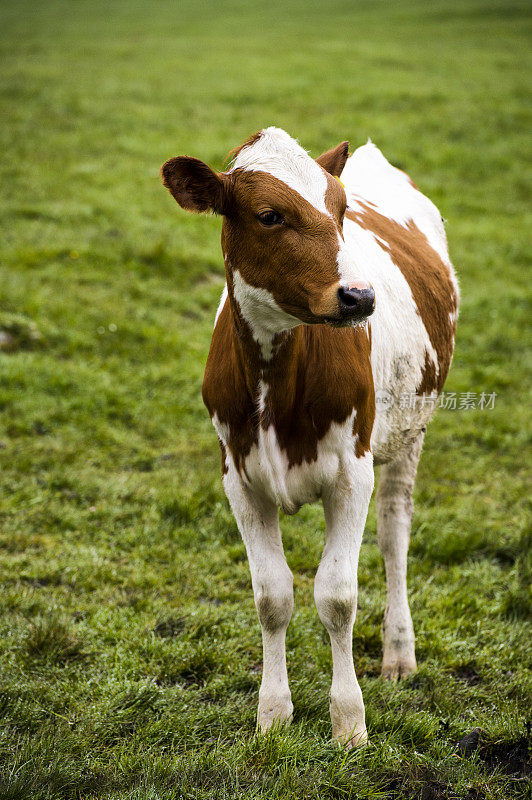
x=226, y=388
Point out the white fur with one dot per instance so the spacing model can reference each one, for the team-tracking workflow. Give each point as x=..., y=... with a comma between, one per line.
x=222, y=429
x=278, y=154
x=394, y=517
x=264, y=316
x=335, y=588
x=348, y=271
x=368, y=175
x=258, y=521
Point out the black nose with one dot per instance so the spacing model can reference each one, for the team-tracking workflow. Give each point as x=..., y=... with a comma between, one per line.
x=356, y=303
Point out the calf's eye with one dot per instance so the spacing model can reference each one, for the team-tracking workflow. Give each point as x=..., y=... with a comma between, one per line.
x=270, y=218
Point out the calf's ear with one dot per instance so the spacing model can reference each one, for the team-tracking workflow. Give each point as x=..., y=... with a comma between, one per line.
x=196, y=186
x=333, y=161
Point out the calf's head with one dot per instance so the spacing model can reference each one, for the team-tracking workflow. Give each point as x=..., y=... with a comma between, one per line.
x=282, y=239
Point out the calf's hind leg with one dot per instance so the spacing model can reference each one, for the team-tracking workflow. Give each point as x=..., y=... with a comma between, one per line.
x=394, y=518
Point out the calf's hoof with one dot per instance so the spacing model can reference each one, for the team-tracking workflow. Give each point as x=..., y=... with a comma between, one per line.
x=349, y=739
x=274, y=711
x=347, y=717
x=394, y=669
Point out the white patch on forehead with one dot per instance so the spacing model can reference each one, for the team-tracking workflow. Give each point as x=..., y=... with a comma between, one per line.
x=278, y=154
x=261, y=312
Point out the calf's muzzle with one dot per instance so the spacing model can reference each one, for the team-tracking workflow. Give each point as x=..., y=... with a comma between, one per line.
x=356, y=301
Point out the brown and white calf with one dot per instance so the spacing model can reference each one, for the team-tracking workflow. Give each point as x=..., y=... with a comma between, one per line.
x=294, y=370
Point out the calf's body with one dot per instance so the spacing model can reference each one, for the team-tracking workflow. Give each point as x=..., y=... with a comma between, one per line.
x=333, y=337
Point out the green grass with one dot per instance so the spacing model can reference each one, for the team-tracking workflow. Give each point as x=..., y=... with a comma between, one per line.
x=130, y=650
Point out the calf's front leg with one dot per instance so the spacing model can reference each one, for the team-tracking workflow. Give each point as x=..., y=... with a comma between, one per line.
x=335, y=593
x=258, y=522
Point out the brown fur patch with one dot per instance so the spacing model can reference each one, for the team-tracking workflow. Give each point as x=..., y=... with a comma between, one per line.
x=429, y=379
x=226, y=391
x=319, y=375
x=429, y=280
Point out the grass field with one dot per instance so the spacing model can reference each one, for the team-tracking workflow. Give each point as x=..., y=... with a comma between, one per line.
x=130, y=653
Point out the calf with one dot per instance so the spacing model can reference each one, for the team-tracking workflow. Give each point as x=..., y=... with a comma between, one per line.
x=295, y=369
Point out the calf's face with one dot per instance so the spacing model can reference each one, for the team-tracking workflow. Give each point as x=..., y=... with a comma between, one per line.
x=282, y=238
